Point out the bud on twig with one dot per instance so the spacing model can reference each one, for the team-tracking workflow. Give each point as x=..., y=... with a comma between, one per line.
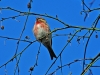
x=29, y=5
x=2, y=27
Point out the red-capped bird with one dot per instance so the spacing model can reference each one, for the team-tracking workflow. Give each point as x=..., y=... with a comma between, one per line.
x=41, y=31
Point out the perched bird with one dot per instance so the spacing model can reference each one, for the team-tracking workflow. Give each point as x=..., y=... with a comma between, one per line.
x=41, y=31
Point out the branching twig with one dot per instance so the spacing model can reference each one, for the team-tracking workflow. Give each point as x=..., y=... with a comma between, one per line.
x=94, y=25
x=36, y=63
x=77, y=60
x=89, y=65
x=61, y=52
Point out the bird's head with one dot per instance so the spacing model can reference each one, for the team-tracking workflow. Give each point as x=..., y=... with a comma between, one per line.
x=39, y=20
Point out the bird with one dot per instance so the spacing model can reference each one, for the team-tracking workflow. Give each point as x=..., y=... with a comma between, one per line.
x=42, y=33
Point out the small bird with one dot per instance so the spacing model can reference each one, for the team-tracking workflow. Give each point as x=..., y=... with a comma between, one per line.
x=41, y=31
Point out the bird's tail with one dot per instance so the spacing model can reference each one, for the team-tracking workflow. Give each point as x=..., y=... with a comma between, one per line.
x=51, y=52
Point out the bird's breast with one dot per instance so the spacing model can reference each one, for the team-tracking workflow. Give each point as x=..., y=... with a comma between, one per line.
x=41, y=32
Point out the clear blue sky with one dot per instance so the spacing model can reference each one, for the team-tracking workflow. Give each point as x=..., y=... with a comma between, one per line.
x=67, y=11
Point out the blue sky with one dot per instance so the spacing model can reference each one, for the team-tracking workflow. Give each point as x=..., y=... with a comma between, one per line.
x=67, y=11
